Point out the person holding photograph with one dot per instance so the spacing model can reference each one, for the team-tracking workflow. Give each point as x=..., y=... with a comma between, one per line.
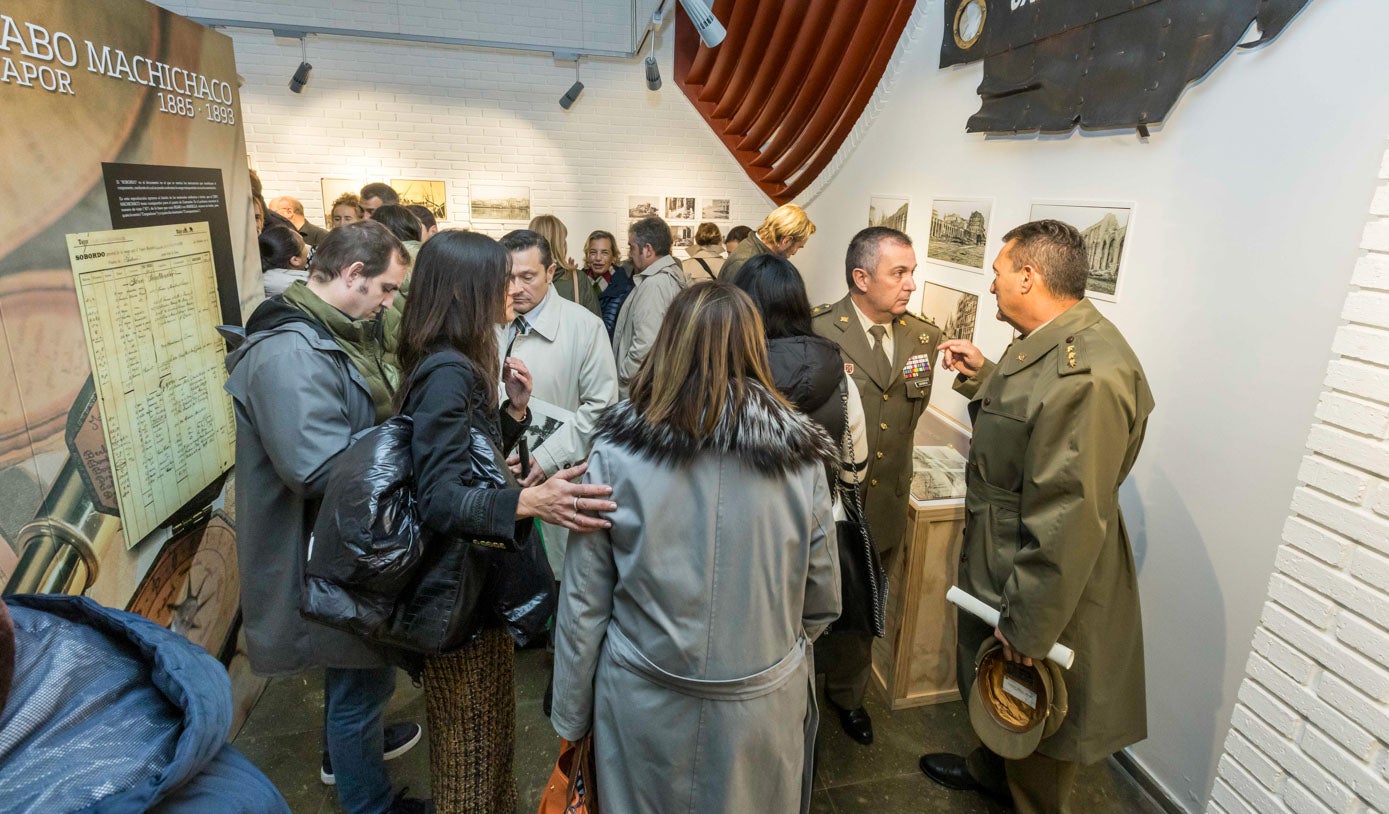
x=682, y=630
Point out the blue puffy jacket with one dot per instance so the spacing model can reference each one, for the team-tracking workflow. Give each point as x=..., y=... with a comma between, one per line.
x=112, y=713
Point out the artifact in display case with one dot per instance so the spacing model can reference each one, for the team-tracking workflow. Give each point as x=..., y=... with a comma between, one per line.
x=915, y=662
x=937, y=473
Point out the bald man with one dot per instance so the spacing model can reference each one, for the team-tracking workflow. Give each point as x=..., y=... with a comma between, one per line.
x=293, y=211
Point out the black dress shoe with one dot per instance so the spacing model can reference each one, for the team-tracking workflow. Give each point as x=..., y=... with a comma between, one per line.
x=952, y=772
x=856, y=723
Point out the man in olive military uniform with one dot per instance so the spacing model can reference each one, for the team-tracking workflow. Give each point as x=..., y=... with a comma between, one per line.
x=1058, y=422
x=889, y=354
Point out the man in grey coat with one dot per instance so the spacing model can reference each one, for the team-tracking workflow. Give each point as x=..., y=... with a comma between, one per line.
x=311, y=375
x=658, y=279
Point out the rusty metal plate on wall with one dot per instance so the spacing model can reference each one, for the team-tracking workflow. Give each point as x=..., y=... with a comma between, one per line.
x=975, y=29
x=1124, y=70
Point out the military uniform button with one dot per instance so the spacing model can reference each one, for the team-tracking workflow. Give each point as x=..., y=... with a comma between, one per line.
x=1070, y=339
x=987, y=402
x=880, y=455
x=884, y=397
x=873, y=482
x=882, y=426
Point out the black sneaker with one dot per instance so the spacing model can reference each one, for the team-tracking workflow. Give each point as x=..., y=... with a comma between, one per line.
x=410, y=805
x=400, y=738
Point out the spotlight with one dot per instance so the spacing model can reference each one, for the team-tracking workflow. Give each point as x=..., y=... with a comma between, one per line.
x=653, y=74
x=300, y=78
x=709, y=28
x=572, y=95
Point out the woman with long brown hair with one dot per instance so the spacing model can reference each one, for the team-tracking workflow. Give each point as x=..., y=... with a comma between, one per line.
x=449, y=372
x=569, y=283
x=682, y=629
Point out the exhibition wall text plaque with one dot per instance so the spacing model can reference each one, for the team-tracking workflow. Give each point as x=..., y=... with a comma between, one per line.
x=150, y=312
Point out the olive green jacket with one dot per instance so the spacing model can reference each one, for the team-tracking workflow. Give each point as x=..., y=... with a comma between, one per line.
x=748, y=249
x=1058, y=423
x=588, y=293
x=891, y=408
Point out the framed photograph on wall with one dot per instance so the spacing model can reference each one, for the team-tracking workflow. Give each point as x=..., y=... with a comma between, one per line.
x=432, y=195
x=960, y=232
x=950, y=309
x=332, y=188
x=715, y=209
x=1105, y=229
x=681, y=239
x=643, y=206
x=889, y=210
x=680, y=207
x=500, y=203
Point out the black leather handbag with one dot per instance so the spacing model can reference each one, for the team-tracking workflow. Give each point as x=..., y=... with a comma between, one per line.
x=863, y=583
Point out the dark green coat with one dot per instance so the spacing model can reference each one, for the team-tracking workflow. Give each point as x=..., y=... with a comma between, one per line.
x=564, y=288
x=890, y=408
x=751, y=247
x=1057, y=426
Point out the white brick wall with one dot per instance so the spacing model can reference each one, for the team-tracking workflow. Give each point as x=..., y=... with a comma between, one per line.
x=1311, y=725
x=376, y=110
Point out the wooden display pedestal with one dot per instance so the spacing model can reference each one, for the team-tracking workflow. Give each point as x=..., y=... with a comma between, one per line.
x=915, y=663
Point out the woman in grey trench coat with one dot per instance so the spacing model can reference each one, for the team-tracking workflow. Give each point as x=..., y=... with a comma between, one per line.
x=683, y=629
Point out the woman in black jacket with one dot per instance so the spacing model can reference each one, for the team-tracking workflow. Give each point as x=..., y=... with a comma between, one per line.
x=449, y=364
x=807, y=369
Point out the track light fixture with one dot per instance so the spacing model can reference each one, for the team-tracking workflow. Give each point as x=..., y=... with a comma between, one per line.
x=710, y=30
x=301, y=76
x=572, y=95
x=653, y=73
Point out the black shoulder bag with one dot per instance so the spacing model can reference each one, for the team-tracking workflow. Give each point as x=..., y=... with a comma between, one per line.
x=863, y=583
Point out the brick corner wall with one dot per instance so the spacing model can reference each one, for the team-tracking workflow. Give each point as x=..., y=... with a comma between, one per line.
x=1311, y=722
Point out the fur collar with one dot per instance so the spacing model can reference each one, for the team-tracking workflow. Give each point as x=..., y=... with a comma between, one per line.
x=764, y=434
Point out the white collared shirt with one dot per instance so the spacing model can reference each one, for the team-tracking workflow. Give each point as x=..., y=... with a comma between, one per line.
x=868, y=323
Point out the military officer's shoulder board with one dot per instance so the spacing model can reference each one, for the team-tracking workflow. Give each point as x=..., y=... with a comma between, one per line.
x=1072, y=358
x=821, y=309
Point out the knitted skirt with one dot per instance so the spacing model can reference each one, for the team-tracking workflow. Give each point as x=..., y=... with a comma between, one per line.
x=471, y=705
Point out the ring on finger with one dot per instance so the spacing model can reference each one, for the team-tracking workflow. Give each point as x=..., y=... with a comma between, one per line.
x=576, y=505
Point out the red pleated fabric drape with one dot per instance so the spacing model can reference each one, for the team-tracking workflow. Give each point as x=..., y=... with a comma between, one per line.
x=785, y=88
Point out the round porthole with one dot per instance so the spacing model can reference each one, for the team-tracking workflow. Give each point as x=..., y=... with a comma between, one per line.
x=969, y=23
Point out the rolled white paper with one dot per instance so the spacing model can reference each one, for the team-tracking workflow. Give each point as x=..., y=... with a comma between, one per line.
x=1059, y=653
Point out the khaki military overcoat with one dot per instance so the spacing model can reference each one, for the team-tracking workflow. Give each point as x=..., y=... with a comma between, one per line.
x=891, y=406
x=1058, y=423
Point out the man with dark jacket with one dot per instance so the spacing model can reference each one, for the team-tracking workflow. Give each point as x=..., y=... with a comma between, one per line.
x=311, y=376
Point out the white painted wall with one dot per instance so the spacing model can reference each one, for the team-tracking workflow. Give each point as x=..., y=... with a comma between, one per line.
x=1310, y=728
x=376, y=110
x=1250, y=204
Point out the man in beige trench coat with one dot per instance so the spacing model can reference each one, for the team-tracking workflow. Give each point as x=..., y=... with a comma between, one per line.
x=1058, y=423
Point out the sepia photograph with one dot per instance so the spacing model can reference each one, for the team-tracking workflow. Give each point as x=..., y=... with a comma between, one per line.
x=332, y=188
x=680, y=208
x=500, y=202
x=951, y=310
x=888, y=210
x=432, y=195
x=959, y=232
x=715, y=208
x=643, y=206
x=1104, y=227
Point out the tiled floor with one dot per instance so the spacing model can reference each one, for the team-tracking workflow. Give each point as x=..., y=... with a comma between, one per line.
x=283, y=734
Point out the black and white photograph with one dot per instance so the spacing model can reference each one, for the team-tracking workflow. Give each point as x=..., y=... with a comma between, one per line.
x=889, y=210
x=959, y=232
x=1105, y=228
x=500, y=202
x=432, y=195
x=951, y=310
x=680, y=208
x=715, y=208
x=682, y=238
x=643, y=206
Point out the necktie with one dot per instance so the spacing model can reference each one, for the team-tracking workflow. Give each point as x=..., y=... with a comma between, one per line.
x=884, y=363
x=521, y=327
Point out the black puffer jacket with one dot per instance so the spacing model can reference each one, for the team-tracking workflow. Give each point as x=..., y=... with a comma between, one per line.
x=808, y=371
